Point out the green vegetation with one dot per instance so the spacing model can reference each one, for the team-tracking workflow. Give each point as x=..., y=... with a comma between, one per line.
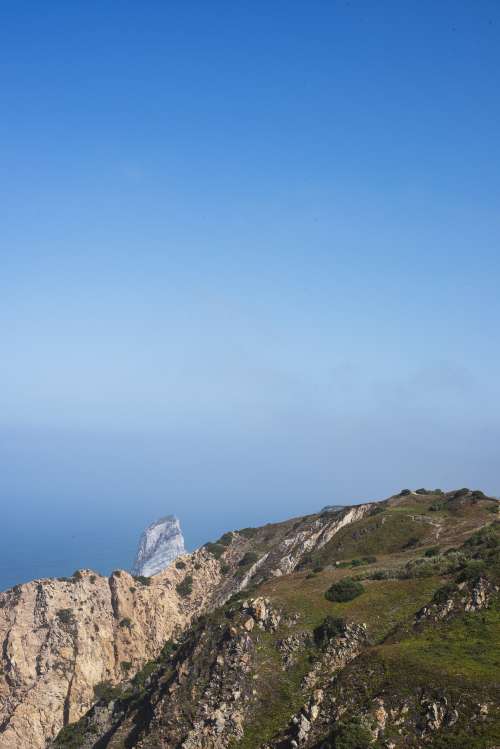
x=432, y=552
x=105, y=692
x=331, y=627
x=142, y=580
x=126, y=623
x=180, y=565
x=126, y=666
x=73, y=735
x=248, y=532
x=66, y=616
x=350, y=734
x=345, y=590
x=185, y=588
x=249, y=558
x=215, y=549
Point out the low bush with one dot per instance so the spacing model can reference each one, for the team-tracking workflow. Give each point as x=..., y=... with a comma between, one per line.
x=330, y=627
x=126, y=666
x=215, y=549
x=432, y=552
x=247, y=559
x=126, y=623
x=436, y=506
x=185, y=588
x=248, y=532
x=180, y=565
x=472, y=571
x=142, y=579
x=66, y=616
x=105, y=691
x=351, y=734
x=344, y=590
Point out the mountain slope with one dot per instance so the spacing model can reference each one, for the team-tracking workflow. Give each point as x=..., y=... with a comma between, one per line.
x=412, y=660
x=62, y=638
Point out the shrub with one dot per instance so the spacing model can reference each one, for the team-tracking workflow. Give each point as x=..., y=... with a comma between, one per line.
x=318, y=568
x=216, y=549
x=344, y=590
x=351, y=735
x=248, y=532
x=77, y=576
x=93, y=578
x=65, y=616
x=432, y=552
x=126, y=623
x=71, y=736
x=356, y=562
x=106, y=691
x=404, y=492
x=226, y=539
x=411, y=543
x=143, y=675
x=472, y=571
x=180, y=565
x=142, y=579
x=370, y=559
x=185, y=588
x=377, y=510
x=116, y=573
x=132, y=589
x=422, y=491
x=331, y=627
x=126, y=666
x=380, y=575
x=197, y=566
x=168, y=649
x=224, y=568
x=247, y=559
x=436, y=506
x=443, y=594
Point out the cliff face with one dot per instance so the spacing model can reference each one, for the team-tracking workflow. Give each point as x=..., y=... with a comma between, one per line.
x=407, y=660
x=159, y=545
x=63, y=637
x=251, y=671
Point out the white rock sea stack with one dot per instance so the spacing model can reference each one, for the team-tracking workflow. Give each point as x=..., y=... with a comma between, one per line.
x=159, y=545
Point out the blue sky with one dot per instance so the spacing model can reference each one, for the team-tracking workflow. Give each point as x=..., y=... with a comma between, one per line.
x=249, y=263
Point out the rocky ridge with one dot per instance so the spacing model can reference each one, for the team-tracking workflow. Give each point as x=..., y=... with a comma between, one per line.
x=394, y=665
x=64, y=637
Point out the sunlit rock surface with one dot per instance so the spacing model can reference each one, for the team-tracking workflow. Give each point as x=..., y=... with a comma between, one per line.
x=159, y=545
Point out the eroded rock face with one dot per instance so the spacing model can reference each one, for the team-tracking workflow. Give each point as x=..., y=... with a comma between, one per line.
x=62, y=637
x=159, y=545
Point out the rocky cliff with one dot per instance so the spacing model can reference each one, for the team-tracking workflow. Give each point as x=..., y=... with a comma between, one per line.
x=236, y=643
x=64, y=637
x=159, y=545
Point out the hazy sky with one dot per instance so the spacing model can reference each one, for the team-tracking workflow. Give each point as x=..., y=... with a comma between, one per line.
x=250, y=264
